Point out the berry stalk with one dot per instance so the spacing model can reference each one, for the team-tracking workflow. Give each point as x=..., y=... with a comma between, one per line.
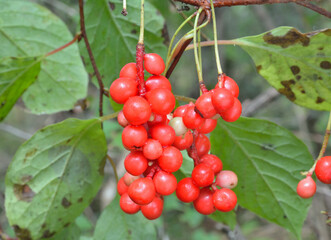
x=218, y=63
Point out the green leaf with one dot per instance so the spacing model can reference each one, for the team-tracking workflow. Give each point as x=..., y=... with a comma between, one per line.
x=113, y=37
x=27, y=29
x=16, y=75
x=298, y=65
x=54, y=176
x=114, y=224
x=268, y=160
x=71, y=232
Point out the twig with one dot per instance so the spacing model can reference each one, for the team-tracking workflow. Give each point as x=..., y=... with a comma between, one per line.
x=77, y=37
x=15, y=131
x=89, y=50
x=113, y=165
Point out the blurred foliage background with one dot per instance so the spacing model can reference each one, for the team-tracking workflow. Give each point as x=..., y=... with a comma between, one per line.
x=180, y=221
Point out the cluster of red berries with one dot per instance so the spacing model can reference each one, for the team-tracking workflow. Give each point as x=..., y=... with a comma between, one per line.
x=307, y=187
x=155, y=136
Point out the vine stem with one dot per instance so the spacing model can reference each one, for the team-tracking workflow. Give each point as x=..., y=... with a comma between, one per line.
x=141, y=35
x=113, y=166
x=217, y=56
x=323, y=148
x=91, y=56
x=196, y=57
x=211, y=43
x=124, y=11
x=77, y=37
x=108, y=117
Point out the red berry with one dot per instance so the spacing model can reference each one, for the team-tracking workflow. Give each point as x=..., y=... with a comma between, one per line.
x=129, y=70
x=137, y=110
x=123, y=88
x=154, y=209
x=180, y=111
x=212, y=161
x=306, y=187
x=224, y=199
x=177, y=124
x=155, y=82
x=323, y=170
x=142, y=191
x=135, y=163
x=184, y=141
x=222, y=99
x=208, y=126
x=165, y=183
x=192, y=119
x=202, y=144
x=226, y=179
x=230, y=85
x=203, y=175
x=134, y=137
x=163, y=133
x=162, y=101
x=187, y=190
x=205, y=106
x=121, y=187
x=153, y=63
x=156, y=119
x=204, y=203
x=152, y=149
x=171, y=159
x=127, y=205
x=233, y=113
x=122, y=120
x=128, y=178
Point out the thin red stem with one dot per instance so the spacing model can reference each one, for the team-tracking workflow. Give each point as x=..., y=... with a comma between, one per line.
x=90, y=53
x=192, y=151
x=140, y=51
x=77, y=37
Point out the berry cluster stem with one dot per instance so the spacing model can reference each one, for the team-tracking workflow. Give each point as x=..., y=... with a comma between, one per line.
x=140, y=51
x=142, y=17
x=218, y=63
x=323, y=148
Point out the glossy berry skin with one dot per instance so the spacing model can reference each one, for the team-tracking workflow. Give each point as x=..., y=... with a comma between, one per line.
x=213, y=162
x=127, y=205
x=123, y=88
x=233, y=113
x=306, y=187
x=204, y=105
x=135, y=163
x=222, y=99
x=137, y=110
x=162, y=101
x=230, y=85
x=208, y=126
x=224, y=199
x=177, y=124
x=192, y=119
x=134, y=137
x=128, y=178
x=153, y=63
x=154, y=209
x=180, y=111
x=204, y=203
x=122, y=187
x=122, y=120
x=187, y=190
x=226, y=179
x=323, y=170
x=155, y=82
x=157, y=119
x=129, y=70
x=203, y=175
x=202, y=144
x=184, y=141
x=142, y=191
x=163, y=133
x=165, y=183
x=152, y=149
x=171, y=159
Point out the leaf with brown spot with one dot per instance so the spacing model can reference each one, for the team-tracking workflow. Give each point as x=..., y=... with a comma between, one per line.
x=305, y=58
x=53, y=181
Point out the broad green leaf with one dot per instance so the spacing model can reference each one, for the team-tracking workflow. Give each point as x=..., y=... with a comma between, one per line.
x=268, y=160
x=27, y=29
x=71, y=232
x=298, y=65
x=114, y=224
x=113, y=37
x=16, y=75
x=54, y=176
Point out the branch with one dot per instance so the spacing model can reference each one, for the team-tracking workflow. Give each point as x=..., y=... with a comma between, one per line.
x=89, y=50
x=229, y=3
